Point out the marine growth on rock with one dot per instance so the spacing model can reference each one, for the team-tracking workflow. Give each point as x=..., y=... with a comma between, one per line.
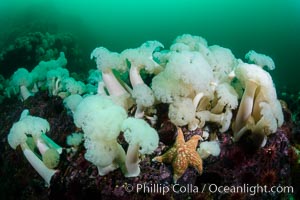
x=148, y=122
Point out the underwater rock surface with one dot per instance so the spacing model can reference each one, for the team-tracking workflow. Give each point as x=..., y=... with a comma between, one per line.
x=79, y=179
x=188, y=122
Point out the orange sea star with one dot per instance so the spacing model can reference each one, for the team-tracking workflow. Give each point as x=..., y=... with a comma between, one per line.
x=182, y=155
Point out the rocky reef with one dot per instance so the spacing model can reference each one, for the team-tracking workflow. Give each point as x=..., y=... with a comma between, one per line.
x=274, y=164
x=188, y=122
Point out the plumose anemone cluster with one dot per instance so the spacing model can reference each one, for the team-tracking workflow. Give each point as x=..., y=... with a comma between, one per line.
x=200, y=97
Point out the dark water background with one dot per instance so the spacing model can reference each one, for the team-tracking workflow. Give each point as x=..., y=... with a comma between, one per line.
x=271, y=27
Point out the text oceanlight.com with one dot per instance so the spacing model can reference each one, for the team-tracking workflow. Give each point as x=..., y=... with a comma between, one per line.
x=212, y=188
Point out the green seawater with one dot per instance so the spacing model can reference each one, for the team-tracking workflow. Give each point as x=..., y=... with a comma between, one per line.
x=271, y=27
